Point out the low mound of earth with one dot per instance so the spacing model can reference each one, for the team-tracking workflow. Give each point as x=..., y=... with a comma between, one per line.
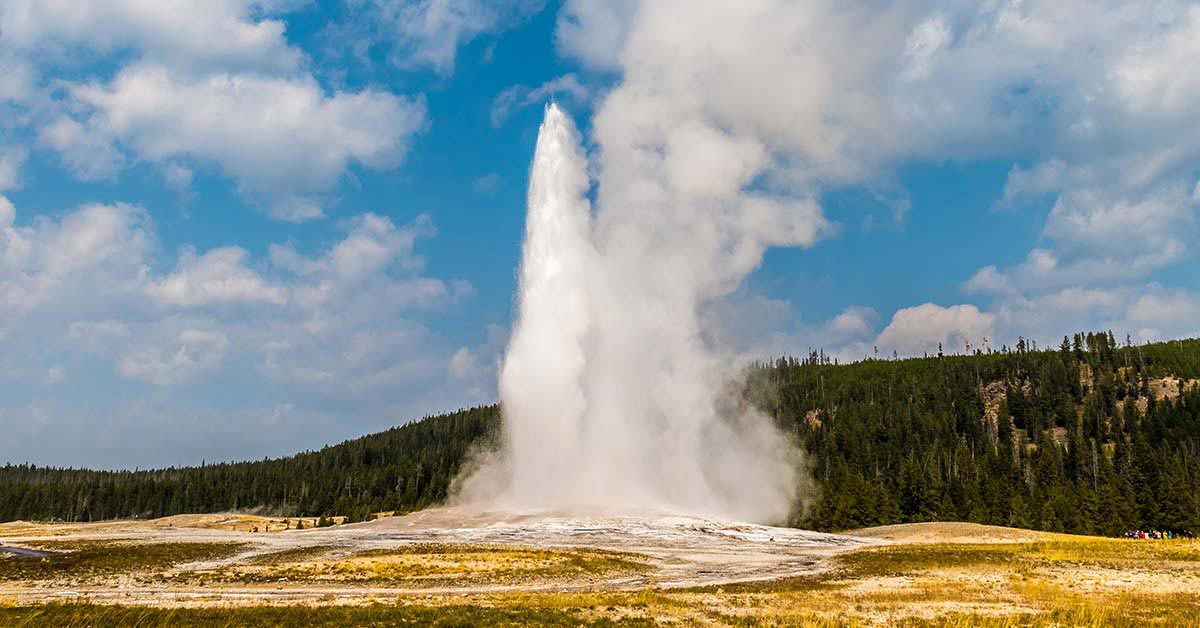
x=951, y=532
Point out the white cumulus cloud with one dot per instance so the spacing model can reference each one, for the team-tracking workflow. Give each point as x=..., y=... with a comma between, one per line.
x=218, y=276
x=283, y=140
x=209, y=85
x=214, y=33
x=928, y=328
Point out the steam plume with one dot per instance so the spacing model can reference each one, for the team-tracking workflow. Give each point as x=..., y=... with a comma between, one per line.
x=613, y=401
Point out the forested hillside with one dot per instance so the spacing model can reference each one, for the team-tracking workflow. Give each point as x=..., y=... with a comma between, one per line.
x=404, y=468
x=1088, y=437
x=1093, y=436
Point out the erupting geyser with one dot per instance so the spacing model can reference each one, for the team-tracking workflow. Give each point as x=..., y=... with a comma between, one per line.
x=614, y=403
x=541, y=383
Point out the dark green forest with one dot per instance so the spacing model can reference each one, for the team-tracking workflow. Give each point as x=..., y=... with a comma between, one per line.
x=1092, y=436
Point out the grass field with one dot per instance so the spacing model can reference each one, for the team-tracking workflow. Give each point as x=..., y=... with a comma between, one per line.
x=90, y=560
x=1064, y=581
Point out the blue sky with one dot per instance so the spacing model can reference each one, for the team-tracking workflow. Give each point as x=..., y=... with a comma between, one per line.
x=240, y=228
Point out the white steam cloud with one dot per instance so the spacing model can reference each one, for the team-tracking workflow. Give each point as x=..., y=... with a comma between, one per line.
x=727, y=122
x=613, y=400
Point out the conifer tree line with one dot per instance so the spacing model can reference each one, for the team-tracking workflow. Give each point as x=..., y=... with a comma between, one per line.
x=405, y=468
x=1081, y=438
x=1086, y=437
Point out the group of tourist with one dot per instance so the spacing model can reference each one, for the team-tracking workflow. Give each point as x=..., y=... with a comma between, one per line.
x=1151, y=534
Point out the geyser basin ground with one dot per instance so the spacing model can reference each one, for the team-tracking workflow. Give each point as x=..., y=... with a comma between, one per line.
x=681, y=551
x=478, y=568
x=440, y=550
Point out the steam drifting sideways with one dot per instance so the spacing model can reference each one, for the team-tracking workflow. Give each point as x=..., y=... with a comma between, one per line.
x=727, y=124
x=613, y=400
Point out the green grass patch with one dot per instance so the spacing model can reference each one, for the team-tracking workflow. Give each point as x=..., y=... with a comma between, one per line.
x=901, y=560
x=83, y=560
x=377, y=615
x=907, y=559
x=1099, y=551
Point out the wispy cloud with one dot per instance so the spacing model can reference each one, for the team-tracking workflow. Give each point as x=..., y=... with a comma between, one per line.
x=520, y=96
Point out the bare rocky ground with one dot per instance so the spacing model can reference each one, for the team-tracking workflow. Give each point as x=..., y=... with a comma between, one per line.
x=441, y=551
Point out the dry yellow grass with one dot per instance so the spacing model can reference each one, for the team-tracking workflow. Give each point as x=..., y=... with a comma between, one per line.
x=433, y=564
x=1063, y=581
x=953, y=532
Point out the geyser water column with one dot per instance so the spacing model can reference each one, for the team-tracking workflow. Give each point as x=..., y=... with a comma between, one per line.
x=613, y=402
x=541, y=379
